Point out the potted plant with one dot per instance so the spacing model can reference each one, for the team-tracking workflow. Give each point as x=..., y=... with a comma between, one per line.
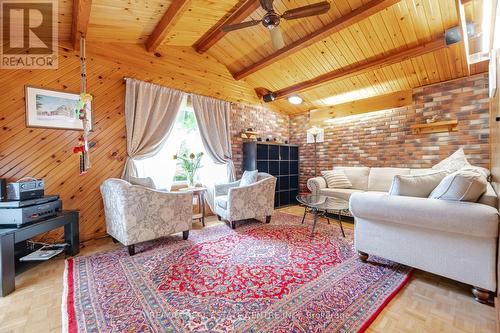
x=189, y=163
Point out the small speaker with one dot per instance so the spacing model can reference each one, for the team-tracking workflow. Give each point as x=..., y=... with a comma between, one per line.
x=269, y=97
x=3, y=189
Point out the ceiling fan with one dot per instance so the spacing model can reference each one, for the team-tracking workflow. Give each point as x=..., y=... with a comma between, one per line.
x=271, y=19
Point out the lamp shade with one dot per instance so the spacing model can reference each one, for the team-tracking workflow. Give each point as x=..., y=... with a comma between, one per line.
x=315, y=131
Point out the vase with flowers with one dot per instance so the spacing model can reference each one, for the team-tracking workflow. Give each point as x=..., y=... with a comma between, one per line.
x=189, y=163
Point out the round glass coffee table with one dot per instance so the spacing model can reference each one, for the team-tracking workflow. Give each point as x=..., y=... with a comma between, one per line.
x=323, y=206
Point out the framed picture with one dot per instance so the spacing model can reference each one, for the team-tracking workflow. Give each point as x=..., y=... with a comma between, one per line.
x=53, y=109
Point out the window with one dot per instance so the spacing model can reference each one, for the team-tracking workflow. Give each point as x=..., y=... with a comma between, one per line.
x=185, y=137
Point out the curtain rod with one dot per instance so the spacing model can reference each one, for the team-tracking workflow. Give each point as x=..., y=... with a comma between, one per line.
x=125, y=78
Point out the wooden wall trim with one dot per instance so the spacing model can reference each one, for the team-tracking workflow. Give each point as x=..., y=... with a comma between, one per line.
x=356, y=69
x=215, y=33
x=80, y=24
x=167, y=22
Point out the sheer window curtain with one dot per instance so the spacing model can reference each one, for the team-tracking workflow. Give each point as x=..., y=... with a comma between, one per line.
x=213, y=117
x=150, y=113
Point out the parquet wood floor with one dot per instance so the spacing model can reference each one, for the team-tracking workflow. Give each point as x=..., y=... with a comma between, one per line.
x=428, y=303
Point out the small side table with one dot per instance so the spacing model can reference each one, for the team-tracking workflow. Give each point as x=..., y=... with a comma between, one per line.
x=200, y=193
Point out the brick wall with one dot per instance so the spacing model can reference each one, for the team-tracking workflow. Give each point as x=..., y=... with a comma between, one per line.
x=266, y=122
x=384, y=138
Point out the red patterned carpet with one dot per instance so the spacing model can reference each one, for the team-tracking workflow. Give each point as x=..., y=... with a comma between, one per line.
x=257, y=278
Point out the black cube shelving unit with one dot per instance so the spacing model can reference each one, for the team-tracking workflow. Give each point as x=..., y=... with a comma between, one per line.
x=279, y=160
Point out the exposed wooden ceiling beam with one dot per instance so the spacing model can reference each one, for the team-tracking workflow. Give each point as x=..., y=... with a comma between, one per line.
x=353, y=17
x=462, y=22
x=360, y=68
x=215, y=33
x=376, y=103
x=80, y=24
x=168, y=20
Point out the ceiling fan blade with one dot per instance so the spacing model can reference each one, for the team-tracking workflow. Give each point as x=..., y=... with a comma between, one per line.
x=277, y=38
x=309, y=10
x=267, y=4
x=241, y=25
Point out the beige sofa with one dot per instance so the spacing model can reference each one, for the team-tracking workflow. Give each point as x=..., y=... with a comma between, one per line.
x=454, y=239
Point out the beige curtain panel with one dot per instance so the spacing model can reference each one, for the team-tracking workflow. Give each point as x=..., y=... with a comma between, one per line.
x=150, y=112
x=212, y=116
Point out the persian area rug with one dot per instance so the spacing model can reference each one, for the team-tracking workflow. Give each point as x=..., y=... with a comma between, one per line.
x=257, y=278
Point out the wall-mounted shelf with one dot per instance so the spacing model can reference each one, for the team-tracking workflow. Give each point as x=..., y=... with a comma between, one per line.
x=437, y=127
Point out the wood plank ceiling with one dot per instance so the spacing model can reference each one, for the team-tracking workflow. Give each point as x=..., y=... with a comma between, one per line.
x=402, y=25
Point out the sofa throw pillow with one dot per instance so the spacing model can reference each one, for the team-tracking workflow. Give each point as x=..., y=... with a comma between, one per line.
x=248, y=178
x=336, y=179
x=461, y=186
x=485, y=172
x=145, y=182
x=416, y=185
x=454, y=162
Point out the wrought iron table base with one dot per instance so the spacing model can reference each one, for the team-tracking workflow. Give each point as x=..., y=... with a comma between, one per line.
x=322, y=213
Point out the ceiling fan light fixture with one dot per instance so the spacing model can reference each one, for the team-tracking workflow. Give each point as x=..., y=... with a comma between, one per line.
x=295, y=100
x=271, y=20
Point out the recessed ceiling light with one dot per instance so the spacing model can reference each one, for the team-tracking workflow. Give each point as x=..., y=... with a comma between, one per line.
x=296, y=100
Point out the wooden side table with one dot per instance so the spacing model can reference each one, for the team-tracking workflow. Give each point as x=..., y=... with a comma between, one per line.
x=200, y=193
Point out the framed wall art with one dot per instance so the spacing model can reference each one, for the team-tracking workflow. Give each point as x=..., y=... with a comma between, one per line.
x=47, y=108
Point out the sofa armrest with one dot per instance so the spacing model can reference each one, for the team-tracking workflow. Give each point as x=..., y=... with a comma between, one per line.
x=467, y=218
x=315, y=184
x=223, y=189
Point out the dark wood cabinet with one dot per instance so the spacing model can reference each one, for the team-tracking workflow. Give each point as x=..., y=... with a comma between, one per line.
x=279, y=160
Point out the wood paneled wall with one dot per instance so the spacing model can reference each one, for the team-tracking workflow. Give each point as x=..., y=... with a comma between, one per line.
x=45, y=153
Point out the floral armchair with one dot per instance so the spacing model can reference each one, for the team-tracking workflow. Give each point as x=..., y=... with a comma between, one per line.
x=137, y=214
x=234, y=202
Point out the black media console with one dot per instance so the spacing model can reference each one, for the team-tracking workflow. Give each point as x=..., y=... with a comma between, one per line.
x=9, y=237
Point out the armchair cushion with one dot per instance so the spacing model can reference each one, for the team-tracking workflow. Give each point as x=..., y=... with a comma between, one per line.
x=223, y=189
x=145, y=182
x=248, y=177
x=221, y=201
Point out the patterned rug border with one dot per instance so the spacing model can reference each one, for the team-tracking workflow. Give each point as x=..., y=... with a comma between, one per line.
x=389, y=298
x=68, y=307
x=69, y=324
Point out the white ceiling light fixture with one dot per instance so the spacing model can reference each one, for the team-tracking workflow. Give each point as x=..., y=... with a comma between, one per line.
x=295, y=100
